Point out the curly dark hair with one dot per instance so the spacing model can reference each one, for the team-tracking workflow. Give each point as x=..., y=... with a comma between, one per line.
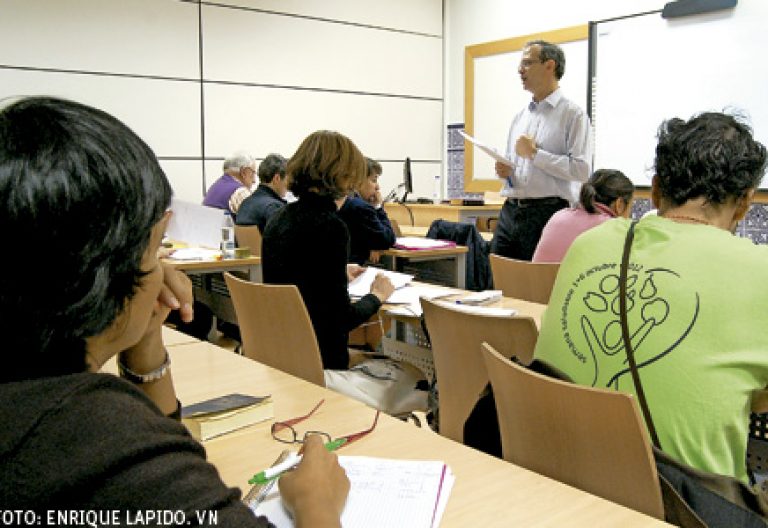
x=605, y=186
x=712, y=155
x=84, y=191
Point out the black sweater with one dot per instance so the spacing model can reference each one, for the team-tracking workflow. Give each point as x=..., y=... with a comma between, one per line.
x=93, y=442
x=307, y=244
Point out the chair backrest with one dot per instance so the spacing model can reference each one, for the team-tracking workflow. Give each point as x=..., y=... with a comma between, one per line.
x=529, y=281
x=275, y=328
x=395, y=227
x=455, y=338
x=592, y=439
x=486, y=224
x=249, y=236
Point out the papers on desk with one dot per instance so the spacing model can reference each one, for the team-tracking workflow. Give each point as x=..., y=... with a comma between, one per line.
x=383, y=493
x=409, y=297
x=362, y=283
x=492, y=152
x=479, y=310
x=195, y=253
x=422, y=243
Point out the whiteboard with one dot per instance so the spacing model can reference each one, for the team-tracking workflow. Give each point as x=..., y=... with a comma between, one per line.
x=649, y=69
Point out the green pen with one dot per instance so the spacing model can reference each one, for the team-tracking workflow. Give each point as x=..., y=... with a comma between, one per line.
x=291, y=461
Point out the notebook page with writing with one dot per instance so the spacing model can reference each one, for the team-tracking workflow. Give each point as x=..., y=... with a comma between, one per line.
x=384, y=493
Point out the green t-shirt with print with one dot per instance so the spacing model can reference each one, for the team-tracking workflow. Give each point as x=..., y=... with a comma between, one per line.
x=697, y=301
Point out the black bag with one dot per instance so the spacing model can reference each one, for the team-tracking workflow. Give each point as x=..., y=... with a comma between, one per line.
x=692, y=498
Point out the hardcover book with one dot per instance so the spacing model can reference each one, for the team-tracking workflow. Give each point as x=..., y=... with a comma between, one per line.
x=217, y=416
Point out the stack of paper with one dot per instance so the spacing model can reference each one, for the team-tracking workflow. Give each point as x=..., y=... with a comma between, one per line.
x=383, y=493
x=408, y=298
x=479, y=310
x=362, y=283
x=422, y=243
x=195, y=253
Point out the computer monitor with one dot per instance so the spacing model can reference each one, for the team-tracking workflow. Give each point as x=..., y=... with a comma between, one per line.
x=407, y=179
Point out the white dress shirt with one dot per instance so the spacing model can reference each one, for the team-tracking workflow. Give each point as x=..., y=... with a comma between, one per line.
x=563, y=160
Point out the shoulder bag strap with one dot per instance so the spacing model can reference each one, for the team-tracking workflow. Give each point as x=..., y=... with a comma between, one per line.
x=623, y=272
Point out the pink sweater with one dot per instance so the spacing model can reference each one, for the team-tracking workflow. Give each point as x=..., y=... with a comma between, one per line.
x=563, y=228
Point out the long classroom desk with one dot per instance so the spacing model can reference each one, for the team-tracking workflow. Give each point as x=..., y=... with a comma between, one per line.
x=396, y=259
x=425, y=214
x=488, y=492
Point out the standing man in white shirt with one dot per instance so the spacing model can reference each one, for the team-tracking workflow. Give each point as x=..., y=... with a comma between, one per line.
x=550, y=147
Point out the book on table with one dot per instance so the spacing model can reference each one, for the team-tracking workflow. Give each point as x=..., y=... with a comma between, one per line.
x=227, y=413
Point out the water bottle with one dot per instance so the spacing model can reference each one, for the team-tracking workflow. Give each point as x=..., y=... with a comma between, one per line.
x=227, y=244
x=436, y=191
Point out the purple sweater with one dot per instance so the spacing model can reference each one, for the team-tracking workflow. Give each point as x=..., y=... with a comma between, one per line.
x=219, y=193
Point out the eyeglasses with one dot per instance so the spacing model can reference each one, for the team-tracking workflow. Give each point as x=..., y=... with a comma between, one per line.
x=527, y=63
x=284, y=432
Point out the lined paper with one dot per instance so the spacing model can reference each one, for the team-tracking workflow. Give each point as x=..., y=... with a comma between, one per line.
x=384, y=493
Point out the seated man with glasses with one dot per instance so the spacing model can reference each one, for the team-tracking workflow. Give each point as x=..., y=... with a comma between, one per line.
x=234, y=186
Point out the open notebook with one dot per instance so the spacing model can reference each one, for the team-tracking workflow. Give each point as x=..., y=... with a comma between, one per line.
x=383, y=493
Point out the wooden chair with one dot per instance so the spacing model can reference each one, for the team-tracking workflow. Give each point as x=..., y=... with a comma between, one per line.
x=486, y=224
x=592, y=439
x=249, y=236
x=456, y=337
x=275, y=327
x=396, y=227
x=529, y=281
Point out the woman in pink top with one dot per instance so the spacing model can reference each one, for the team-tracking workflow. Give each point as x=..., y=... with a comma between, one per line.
x=607, y=194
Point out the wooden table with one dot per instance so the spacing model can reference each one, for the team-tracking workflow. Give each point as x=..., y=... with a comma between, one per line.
x=425, y=214
x=488, y=491
x=250, y=265
x=395, y=259
x=421, y=231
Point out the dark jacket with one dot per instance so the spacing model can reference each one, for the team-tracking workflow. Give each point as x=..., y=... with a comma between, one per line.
x=259, y=207
x=307, y=244
x=478, y=276
x=369, y=228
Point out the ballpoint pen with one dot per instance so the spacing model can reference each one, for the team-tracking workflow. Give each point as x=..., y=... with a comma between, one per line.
x=291, y=461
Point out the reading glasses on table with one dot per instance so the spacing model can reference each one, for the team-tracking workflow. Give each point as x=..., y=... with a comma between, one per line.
x=284, y=432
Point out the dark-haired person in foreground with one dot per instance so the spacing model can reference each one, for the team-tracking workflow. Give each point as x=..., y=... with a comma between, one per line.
x=697, y=297
x=367, y=221
x=607, y=194
x=83, y=186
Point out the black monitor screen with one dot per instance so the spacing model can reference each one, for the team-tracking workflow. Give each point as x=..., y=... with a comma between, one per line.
x=407, y=177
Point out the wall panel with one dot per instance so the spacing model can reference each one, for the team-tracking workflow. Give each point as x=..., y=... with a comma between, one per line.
x=421, y=16
x=290, y=51
x=166, y=114
x=263, y=120
x=144, y=37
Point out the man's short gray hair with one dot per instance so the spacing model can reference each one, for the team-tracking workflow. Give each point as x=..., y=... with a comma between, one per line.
x=238, y=161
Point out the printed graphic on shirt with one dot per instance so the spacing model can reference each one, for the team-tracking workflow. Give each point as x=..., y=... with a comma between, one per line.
x=662, y=309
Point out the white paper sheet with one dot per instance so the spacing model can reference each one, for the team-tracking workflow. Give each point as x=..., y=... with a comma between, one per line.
x=383, y=493
x=421, y=243
x=195, y=253
x=362, y=283
x=492, y=152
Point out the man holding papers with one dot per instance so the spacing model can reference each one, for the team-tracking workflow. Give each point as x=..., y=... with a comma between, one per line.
x=548, y=149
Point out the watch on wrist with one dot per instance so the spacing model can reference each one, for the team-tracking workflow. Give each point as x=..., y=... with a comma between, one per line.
x=149, y=377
